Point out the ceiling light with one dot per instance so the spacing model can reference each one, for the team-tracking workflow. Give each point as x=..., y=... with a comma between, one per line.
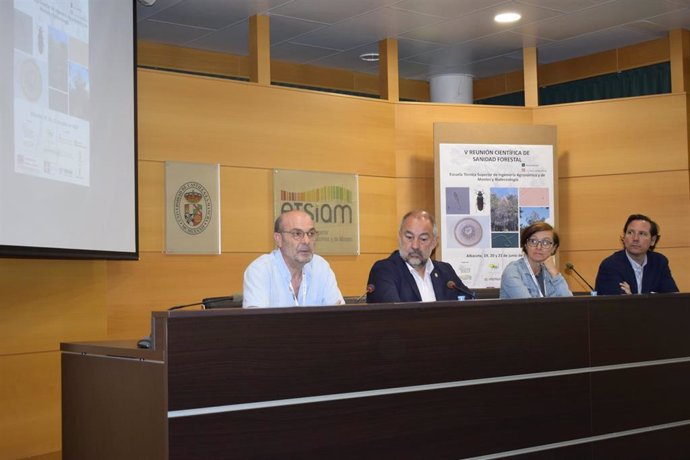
x=369, y=57
x=507, y=17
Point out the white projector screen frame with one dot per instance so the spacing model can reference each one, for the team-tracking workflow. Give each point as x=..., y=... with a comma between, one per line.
x=68, y=150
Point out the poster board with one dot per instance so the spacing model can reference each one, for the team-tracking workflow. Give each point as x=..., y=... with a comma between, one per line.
x=491, y=181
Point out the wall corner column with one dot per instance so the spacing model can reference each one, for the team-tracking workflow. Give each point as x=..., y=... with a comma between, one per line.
x=679, y=43
x=530, y=67
x=389, y=79
x=259, y=50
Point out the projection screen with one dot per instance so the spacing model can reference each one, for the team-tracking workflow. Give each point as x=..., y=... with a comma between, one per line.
x=68, y=172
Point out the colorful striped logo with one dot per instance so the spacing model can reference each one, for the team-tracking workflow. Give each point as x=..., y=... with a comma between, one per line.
x=326, y=193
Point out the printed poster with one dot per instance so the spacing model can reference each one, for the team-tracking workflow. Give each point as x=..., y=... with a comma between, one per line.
x=488, y=193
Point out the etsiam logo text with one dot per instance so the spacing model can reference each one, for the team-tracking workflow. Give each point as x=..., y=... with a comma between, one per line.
x=330, y=204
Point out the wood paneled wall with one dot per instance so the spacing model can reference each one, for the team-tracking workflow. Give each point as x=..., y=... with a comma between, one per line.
x=610, y=61
x=43, y=302
x=158, y=55
x=616, y=60
x=615, y=157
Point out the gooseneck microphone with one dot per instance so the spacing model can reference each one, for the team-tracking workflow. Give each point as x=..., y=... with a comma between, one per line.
x=370, y=288
x=213, y=302
x=570, y=266
x=207, y=303
x=222, y=302
x=177, y=307
x=454, y=286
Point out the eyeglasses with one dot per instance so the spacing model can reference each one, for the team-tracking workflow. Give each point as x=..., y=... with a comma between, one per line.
x=533, y=242
x=298, y=234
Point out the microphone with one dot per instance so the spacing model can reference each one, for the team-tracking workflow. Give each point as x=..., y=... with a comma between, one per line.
x=213, y=302
x=454, y=286
x=146, y=342
x=570, y=266
x=370, y=288
x=222, y=302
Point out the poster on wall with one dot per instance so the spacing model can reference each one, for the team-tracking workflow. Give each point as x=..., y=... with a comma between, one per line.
x=488, y=193
x=332, y=201
x=192, y=208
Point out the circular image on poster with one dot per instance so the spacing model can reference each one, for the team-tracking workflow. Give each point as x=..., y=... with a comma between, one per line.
x=468, y=232
x=31, y=80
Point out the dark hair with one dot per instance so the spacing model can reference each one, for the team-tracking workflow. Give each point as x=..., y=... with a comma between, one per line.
x=654, y=230
x=530, y=230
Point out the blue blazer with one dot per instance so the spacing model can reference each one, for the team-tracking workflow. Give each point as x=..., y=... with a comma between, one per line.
x=517, y=282
x=616, y=268
x=392, y=282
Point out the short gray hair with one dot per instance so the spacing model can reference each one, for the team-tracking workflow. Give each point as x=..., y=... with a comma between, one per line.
x=420, y=214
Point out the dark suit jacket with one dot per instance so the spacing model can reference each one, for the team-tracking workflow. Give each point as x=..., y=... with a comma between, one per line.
x=393, y=282
x=616, y=268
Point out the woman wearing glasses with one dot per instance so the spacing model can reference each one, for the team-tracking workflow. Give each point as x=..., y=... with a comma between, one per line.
x=535, y=274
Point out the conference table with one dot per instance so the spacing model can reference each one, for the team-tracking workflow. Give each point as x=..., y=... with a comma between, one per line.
x=568, y=378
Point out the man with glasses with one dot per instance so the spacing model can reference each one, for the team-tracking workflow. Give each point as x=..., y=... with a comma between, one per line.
x=636, y=268
x=535, y=274
x=292, y=275
x=409, y=274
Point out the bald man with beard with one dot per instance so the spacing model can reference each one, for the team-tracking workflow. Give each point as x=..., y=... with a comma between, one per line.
x=292, y=275
x=409, y=274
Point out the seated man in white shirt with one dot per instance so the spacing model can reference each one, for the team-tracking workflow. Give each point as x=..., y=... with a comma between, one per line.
x=291, y=275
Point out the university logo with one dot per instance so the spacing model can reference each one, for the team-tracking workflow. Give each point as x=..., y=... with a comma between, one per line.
x=193, y=208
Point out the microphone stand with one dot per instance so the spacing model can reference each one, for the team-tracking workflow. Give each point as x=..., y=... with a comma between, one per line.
x=466, y=292
x=177, y=307
x=370, y=289
x=571, y=267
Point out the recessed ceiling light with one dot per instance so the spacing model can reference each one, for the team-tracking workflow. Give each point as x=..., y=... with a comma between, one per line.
x=369, y=57
x=507, y=17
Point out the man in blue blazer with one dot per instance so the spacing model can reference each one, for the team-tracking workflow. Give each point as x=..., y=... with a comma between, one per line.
x=409, y=274
x=637, y=268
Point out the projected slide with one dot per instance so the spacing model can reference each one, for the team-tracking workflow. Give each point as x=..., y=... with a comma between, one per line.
x=68, y=162
x=52, y=90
